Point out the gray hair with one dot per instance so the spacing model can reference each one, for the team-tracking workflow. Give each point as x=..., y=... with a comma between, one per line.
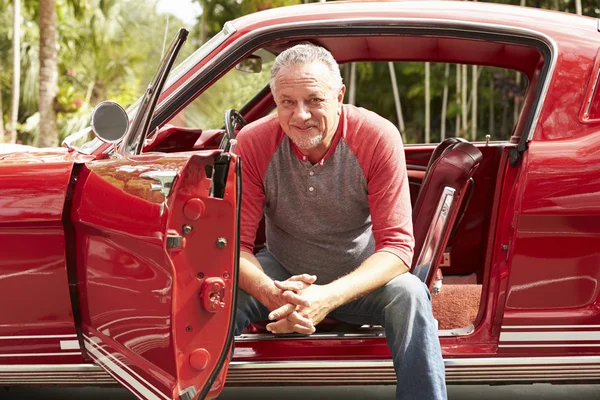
x=307, y=54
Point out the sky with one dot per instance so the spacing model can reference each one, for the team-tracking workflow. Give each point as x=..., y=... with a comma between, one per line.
x=185, y=10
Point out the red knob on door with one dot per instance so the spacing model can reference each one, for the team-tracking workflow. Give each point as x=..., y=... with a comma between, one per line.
x=213, y=294
x=199, y=359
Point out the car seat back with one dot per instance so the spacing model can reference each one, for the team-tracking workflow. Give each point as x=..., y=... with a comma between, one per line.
x=447, y=179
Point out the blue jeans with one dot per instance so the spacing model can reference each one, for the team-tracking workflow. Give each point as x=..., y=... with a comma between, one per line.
x=402, y=307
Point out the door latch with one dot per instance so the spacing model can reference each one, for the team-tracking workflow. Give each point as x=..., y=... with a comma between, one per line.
x=163, y=180
x=213, y=294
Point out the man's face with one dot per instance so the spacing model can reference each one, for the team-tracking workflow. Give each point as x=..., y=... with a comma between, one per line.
x=307, y=106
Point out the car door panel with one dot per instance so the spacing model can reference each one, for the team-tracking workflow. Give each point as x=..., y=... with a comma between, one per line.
x=467, y=247
x=156, y=257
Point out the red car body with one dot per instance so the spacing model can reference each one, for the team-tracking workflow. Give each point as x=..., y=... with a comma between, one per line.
x=124, y=269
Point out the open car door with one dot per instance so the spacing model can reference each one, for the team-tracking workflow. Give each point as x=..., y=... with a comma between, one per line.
x=156, y=265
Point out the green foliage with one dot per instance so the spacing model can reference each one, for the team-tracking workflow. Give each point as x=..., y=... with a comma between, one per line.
x=109, y=49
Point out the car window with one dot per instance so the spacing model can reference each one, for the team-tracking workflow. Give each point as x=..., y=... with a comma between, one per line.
x=232, y=90
x=499, y=98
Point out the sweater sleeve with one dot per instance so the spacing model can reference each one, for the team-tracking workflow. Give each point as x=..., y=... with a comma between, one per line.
x=384, y=165
x=256, y=144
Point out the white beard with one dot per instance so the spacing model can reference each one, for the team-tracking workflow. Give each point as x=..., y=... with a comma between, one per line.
x=308, y=143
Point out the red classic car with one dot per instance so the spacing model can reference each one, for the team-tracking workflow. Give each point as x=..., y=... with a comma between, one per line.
x=119, y=258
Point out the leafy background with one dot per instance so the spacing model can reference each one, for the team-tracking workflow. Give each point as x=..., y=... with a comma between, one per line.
x=109, y=49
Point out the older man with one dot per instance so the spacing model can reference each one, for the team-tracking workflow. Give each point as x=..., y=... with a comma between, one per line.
x=331, y=181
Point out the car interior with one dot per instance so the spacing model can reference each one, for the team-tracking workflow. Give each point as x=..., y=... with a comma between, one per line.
x=456, y=187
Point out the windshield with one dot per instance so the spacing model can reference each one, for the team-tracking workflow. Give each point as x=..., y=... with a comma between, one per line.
x=139, y=127
x=175, y=74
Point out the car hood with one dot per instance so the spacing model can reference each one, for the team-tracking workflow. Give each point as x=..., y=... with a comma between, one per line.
x=21, y=154
x=34, y=184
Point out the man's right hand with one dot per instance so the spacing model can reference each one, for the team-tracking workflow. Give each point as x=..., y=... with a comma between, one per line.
x=288, y=294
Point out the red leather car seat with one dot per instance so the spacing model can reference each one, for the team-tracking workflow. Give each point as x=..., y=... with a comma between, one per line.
x=444, y=186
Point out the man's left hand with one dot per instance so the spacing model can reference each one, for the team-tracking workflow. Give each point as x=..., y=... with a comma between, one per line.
x=321, y=303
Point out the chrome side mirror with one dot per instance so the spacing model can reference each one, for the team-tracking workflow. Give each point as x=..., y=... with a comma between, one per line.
x=109, y=122
x=252, y=64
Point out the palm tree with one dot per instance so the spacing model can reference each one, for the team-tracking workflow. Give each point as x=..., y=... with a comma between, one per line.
x=444, y=102
x=48, y=83
x=16, y=75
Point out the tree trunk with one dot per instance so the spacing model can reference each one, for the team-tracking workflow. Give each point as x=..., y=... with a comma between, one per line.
x=458, y=97
x=578, y=8
x=427, y=103
x=464, y=100
x=352, y=90
x=203, y=23
x=397, y=101
x=48, y=136
x=444, y=103
x=555, y=5
x=504, y=117
x=1, y=118
x=492, y=111
x=474, y=105
x=16, y=76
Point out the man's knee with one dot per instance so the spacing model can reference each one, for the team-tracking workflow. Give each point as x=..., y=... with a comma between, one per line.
x=408, y=289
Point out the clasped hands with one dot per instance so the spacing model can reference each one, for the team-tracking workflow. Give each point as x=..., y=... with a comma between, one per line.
x=304, y=305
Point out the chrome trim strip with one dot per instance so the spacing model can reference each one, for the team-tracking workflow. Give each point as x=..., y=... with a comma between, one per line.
x=551, y=345
x=371, y=334
x=54, y=368
x=434, y=233
x=74, y=353
x=110, y=364
x=543, y=378
x=453, y=362
x=586, y=113
x=400, y=23
x=69, y=345
x=522, y=361
x=466, y=330
x=38, y=337
x=547, y=326
x=569, y=336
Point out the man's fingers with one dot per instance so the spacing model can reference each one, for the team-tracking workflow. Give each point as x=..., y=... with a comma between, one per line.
x=281, y=326
x=303, y=329
x=306, y=278
x=285, y=326
x=295, y=286
x=296, y=319
x=282, y=312
x=296, y=299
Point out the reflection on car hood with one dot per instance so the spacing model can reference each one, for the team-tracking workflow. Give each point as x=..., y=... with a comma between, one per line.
x=20, y=154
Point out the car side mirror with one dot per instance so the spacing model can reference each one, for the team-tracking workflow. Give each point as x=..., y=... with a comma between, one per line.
x=109, y=122
x=251, y=64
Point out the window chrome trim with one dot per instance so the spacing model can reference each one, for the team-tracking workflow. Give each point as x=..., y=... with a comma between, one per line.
x=586, y=113
x=436, y=230
x=440, y=26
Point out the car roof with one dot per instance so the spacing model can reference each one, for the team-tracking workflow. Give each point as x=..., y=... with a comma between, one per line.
x=560, y=26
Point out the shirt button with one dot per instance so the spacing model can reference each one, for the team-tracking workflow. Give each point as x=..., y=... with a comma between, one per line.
x=311, y=189
x=311, y=173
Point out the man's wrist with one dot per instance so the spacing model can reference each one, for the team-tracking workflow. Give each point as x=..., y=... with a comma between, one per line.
x=266, y=292
x=336, y=295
